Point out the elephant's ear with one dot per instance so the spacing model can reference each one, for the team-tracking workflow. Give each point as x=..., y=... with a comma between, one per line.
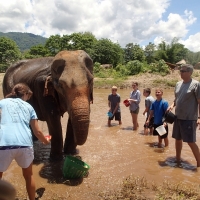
x=89, y=63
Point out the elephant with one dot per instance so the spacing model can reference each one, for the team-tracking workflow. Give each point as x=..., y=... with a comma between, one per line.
x=60, y=84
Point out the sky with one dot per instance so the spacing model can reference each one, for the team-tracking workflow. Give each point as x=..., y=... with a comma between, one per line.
x=121, y=21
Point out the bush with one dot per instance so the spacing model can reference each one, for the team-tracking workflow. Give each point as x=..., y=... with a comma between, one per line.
x=97, y=67
x=134, y=67
x=159, y=67
x=122, y=70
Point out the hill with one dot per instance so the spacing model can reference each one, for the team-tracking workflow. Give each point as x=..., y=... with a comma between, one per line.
x=24, y=40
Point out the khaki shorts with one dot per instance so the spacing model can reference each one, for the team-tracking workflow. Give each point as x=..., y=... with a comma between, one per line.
x=135, y=111
x=23, y=156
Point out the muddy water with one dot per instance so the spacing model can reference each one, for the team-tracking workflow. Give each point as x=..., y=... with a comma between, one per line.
x=113, y=153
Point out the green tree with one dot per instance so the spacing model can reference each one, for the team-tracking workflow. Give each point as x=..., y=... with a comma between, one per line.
x=172, y=52
x=193, y=57
x=9, y=51
x=133, y=52
x=107, y=52
x=83, y=41
x=149, y=52
x=37, y=51
x=53, y=44
x=161, y=53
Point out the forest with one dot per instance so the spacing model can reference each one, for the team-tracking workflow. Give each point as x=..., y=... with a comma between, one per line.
x=130, y=60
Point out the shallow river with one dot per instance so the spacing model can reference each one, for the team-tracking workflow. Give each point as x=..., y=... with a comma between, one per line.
x=113, y=153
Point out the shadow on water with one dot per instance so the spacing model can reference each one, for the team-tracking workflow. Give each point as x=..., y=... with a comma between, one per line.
x=171, y=162
x=128, y=128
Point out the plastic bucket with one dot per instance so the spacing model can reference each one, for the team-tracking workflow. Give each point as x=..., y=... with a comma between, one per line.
x=109, y=114
x=169, y=117
x=74, y=168
x=161, y=130
x=126, y=103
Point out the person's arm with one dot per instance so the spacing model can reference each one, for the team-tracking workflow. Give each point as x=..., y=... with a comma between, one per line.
x=198, y=120
x=146, y=110
x=137, y=100
x=171, y=107
x=37, y=132
x=109, y=106
x=116, y=107
x=150, y=116
x=147, y=106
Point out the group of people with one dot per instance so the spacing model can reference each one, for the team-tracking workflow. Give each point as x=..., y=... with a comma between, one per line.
x=187, y=111
x=17, y=116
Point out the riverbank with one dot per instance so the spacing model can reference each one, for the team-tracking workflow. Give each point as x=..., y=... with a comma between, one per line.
x=144, y=80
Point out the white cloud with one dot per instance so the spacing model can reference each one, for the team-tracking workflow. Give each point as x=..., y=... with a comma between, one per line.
x=193, y=42
x=122, y=21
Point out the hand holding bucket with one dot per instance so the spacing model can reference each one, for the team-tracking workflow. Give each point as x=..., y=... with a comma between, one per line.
x=109, y=114
x=161, y=130
x=126, y=103
x=169, y=117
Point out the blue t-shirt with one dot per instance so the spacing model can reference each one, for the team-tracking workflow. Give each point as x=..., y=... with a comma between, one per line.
x=15, y=116
x=159, y=108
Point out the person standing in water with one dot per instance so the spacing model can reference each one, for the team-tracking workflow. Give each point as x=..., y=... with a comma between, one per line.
x=114, y=106
x=15, y=134
x=148, y=102
x=134, y=100
x=158, y=110
x=187, y=111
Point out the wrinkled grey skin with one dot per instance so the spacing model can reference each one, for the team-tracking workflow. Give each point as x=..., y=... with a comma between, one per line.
x=69, y=89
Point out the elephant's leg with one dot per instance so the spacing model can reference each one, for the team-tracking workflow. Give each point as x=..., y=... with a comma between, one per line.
x=55, y=130
x=69, y=145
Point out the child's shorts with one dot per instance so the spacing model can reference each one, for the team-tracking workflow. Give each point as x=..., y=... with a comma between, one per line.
x=156, y=133
x=117, y=116
x=150, y=125
x=23, y=156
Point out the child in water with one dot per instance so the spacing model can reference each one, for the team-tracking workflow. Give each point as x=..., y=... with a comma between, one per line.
x=114, y=107
x=148, y=102
x=158, y=110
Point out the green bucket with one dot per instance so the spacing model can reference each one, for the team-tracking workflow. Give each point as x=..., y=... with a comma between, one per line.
x=74, y=168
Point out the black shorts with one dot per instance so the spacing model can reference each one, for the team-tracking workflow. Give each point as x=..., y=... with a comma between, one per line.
x=117, y=116
x=156, y=133
x=150, y=125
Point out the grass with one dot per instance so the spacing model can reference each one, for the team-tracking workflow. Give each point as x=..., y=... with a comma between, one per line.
x=137, y=188
x=169, y=83
x=108, y=82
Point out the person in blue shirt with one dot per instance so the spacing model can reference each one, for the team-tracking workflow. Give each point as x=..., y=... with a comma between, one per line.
x=15, y=134
x=158, y=110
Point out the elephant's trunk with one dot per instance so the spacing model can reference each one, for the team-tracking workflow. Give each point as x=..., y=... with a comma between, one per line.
x=80, y=117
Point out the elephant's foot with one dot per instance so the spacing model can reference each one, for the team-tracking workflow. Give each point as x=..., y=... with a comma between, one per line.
x=71, y=152
x=56, y=157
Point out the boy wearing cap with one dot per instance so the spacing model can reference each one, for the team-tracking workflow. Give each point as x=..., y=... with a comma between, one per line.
x=187, y=111
x=114, y=107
